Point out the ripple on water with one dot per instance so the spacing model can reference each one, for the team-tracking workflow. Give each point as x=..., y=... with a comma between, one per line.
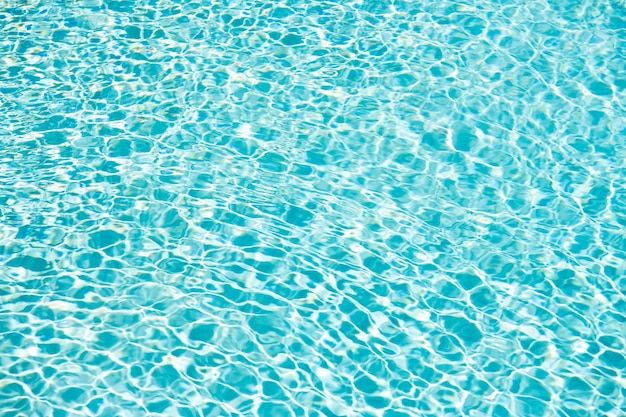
x=312, y=209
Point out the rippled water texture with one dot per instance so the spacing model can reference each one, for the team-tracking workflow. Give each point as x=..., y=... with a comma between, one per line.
x=312, y=208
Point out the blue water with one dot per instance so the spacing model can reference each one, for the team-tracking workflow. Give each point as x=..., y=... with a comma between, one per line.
x=312, y=208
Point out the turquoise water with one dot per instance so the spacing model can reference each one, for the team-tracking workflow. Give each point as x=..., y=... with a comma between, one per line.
x=312, y=208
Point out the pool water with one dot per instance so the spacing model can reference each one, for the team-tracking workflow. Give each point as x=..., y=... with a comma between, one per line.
x=312, y=208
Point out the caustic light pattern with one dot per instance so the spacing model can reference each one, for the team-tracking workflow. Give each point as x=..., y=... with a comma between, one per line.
x=312, y=208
